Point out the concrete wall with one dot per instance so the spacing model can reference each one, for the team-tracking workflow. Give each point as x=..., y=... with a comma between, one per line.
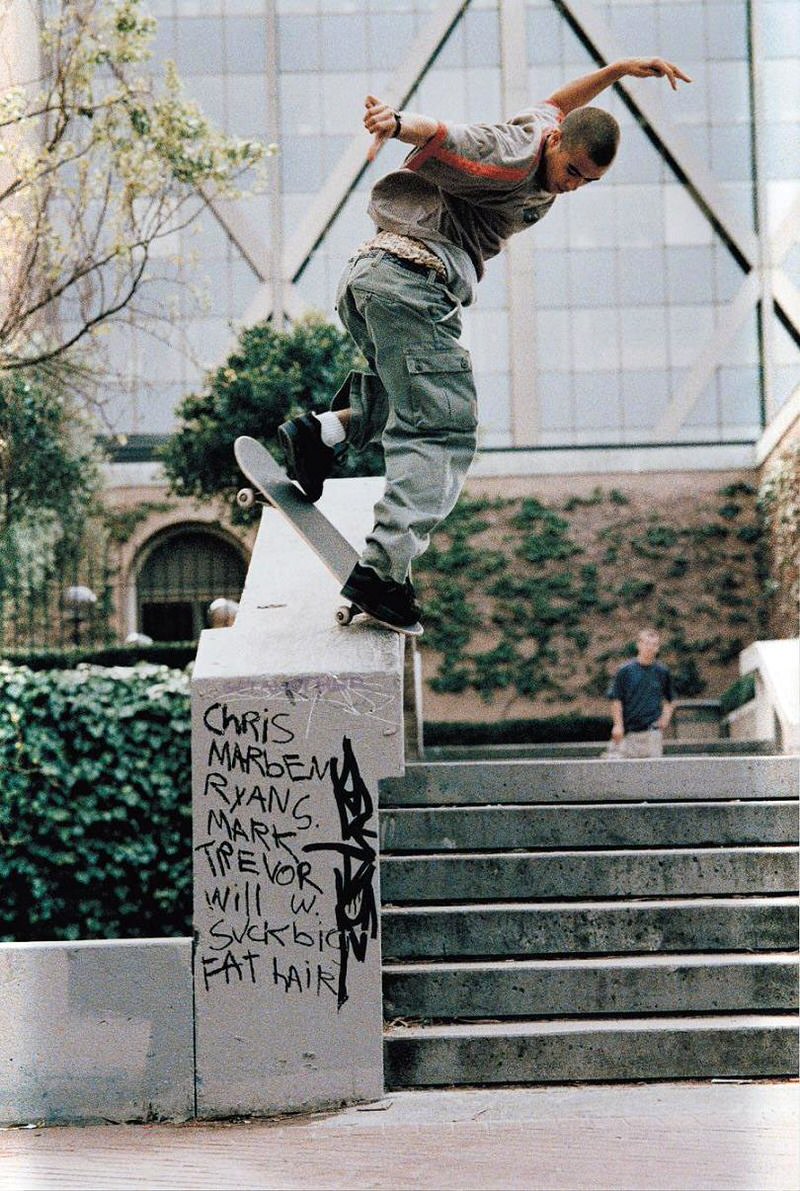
x=96, y=1031
x=743, y=723
x=295, y=719
x=776, y=711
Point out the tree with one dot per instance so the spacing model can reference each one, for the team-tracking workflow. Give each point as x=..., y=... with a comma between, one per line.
x=272, y=375
x=49, y=480
x=98, y=162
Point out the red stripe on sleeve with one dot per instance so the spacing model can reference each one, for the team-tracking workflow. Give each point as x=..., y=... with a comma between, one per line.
x=420, y=156
x=478, y=169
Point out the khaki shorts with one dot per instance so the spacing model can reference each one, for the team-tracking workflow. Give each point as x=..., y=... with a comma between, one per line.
x=637, y=744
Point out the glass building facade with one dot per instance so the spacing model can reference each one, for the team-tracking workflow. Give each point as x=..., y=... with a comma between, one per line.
x=660, y=306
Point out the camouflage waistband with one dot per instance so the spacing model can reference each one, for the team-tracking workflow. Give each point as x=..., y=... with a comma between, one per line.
x=405, y=247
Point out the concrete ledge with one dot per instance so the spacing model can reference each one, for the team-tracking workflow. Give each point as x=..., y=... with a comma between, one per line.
x=602, y=460
x=776, y=665
x=743, y=722
x=96, y=1031
x=295, y=720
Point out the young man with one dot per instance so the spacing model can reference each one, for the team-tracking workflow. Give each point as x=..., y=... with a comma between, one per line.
x=462, y=191
x=642, y=702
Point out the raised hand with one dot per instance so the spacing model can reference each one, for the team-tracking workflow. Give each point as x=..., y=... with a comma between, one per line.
x=647, y=68
x=379, y=119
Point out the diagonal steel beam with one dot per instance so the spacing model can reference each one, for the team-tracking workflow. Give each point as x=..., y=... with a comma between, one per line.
x=353, y=163
x=708, y=358
x=690, y=169
x=761, y=283
x=786, y=299
x=786, y=234
x=345, y=176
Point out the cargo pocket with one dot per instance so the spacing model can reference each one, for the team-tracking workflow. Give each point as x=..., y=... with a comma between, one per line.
x=441, y=389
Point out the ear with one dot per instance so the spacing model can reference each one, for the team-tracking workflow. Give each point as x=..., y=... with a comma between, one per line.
x=554, y=139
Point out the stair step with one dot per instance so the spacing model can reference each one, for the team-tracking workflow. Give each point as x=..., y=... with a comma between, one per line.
x=588, y=825
x=663, y=779
x=447, y=877
x=578, y=987
x=747, y=1046
x=560, y=928
x=699, y=746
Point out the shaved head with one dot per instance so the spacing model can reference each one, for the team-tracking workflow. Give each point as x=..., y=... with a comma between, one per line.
x=593, y=130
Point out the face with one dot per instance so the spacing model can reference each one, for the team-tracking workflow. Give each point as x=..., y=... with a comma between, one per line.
x=564, y=170
x=648, y=644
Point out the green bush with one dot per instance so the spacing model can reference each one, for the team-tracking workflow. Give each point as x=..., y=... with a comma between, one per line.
x=556, y=729
x=176, y=654
x=738, y=693
x=95, y=803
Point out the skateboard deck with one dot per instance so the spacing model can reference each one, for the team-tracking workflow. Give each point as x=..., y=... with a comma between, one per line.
x=333, y=550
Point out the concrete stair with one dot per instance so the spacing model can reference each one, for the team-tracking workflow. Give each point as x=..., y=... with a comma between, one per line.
x=592, y=750
x=590, y=920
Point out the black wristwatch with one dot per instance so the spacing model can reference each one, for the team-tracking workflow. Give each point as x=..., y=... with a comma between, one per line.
x=398, y=125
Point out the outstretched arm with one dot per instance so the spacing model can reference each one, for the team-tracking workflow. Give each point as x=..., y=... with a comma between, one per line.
x=583, y=90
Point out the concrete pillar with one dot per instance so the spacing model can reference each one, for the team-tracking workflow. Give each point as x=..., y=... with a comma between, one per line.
x=295, y=720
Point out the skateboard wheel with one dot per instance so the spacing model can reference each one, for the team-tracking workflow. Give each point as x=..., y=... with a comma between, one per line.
x=245, y=498
x=344, y=615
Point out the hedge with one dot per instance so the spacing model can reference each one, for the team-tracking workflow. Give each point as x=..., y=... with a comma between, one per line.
x=556, y=729
x=95, y=803
x=177, y=654
x=738, y=693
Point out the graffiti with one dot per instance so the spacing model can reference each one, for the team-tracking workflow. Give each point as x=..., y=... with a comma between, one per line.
x=356, y=910
x=280, y=907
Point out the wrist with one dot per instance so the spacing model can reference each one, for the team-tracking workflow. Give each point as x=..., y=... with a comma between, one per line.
x=398, y=125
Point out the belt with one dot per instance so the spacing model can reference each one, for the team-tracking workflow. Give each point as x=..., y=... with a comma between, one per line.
x=411, y=266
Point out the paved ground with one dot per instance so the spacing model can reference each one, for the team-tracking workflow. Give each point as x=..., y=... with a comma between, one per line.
x=675, y=1137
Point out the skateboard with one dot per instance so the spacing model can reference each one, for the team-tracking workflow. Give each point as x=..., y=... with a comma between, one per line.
x=332, y=549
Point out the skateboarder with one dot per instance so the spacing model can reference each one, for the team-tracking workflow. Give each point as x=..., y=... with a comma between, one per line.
x=462, y=191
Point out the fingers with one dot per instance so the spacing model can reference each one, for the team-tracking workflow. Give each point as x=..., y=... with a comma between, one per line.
x=379, y=120
x=377, y=144
x=663, y=69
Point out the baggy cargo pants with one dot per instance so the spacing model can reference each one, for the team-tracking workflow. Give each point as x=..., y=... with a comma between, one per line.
x=418, y=398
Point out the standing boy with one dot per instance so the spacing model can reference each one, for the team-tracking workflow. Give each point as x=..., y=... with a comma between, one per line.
x=462, y=191
x=641, y=695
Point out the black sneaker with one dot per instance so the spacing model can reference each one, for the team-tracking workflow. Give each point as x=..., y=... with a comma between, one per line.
x=385, y=599
x=308, y=460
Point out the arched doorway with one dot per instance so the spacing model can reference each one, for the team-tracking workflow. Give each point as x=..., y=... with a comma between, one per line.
x=182, y=571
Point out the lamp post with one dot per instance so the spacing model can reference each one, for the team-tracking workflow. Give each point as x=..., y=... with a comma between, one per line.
x=79, y=602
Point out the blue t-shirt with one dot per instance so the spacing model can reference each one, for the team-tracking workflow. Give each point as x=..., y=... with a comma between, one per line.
x=641, y=690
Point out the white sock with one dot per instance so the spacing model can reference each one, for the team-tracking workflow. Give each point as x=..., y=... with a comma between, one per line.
x=331, y=428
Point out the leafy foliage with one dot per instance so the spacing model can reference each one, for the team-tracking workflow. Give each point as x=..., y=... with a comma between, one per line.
x=95, y=806
x=738, y=693
x=779, y=501
x=101, y=162
x=272, y=375
x=522, y=599
x=49, y=476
